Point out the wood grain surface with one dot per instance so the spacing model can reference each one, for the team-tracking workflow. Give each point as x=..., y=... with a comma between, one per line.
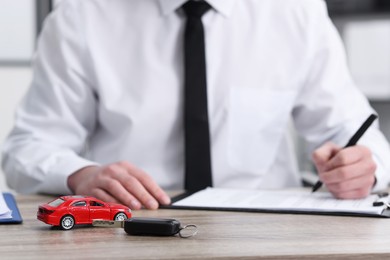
x=222, y=235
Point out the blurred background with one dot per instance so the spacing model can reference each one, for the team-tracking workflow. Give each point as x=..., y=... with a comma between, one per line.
x=363, y=24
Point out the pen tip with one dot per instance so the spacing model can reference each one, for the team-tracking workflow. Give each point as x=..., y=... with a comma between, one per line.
x=316, y=186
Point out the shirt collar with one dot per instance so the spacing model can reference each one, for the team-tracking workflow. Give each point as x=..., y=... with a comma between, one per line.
x=224, y=7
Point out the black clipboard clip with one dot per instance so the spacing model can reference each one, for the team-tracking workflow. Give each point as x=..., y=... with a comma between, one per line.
x=382, y=200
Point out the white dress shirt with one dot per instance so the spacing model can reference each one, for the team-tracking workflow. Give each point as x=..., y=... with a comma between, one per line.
x=108, y=86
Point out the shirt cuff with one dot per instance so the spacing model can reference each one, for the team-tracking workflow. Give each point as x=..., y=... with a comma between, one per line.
x=382, y=176
x=56, y=181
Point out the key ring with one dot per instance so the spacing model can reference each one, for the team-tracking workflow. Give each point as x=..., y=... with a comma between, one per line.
x=190, y=227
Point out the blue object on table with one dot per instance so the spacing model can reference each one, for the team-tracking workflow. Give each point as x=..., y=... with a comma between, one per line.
x=11, y=202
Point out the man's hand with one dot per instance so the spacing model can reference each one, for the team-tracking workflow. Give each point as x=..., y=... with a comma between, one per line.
x=348, y=173
x=119, y=182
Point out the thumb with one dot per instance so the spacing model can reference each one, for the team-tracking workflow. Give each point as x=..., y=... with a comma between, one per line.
x=323, y=154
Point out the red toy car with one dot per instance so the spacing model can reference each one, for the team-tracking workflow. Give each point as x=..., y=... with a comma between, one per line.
x=67, y=211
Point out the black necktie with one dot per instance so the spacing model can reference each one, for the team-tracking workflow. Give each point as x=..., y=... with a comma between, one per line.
x=196, y=124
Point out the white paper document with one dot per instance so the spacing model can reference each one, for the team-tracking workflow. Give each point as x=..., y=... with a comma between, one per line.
x=302, y=200
x=5, y=212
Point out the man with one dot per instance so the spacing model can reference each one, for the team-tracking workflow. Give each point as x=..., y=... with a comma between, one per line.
x=106, y=114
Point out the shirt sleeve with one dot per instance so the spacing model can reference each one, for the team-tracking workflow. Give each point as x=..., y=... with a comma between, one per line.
x=330, y=107
x=57, y=114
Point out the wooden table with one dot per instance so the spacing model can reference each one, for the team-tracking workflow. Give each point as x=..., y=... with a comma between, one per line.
x=222, y=235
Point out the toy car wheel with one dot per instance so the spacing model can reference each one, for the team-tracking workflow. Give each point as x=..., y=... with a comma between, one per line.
x=120, y=216
x=67, y=222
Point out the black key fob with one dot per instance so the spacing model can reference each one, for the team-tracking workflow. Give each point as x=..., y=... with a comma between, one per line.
x=152, y=226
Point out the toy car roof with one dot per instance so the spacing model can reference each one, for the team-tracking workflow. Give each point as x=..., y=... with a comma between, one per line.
x=74, y=197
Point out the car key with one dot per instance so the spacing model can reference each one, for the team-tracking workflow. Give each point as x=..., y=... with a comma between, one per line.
x=150, y=227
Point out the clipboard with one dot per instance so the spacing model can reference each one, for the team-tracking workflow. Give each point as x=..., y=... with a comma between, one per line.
x=376, y=205
x=16, y=216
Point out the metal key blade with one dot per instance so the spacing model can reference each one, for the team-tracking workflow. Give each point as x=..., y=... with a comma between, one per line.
x=107, y=223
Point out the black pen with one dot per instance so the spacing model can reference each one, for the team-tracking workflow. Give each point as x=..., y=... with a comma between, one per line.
x=354, y=139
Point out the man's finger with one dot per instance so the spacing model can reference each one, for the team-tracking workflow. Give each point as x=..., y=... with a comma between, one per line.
x=133, y=185
x=103, y=195
x=353, y=194
x=323, y=154
x=361, y=182
x=150, y=185
x=129, y=184
x=347, y=156
x=345, y=173
x=115, y=188
x=111, y=180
